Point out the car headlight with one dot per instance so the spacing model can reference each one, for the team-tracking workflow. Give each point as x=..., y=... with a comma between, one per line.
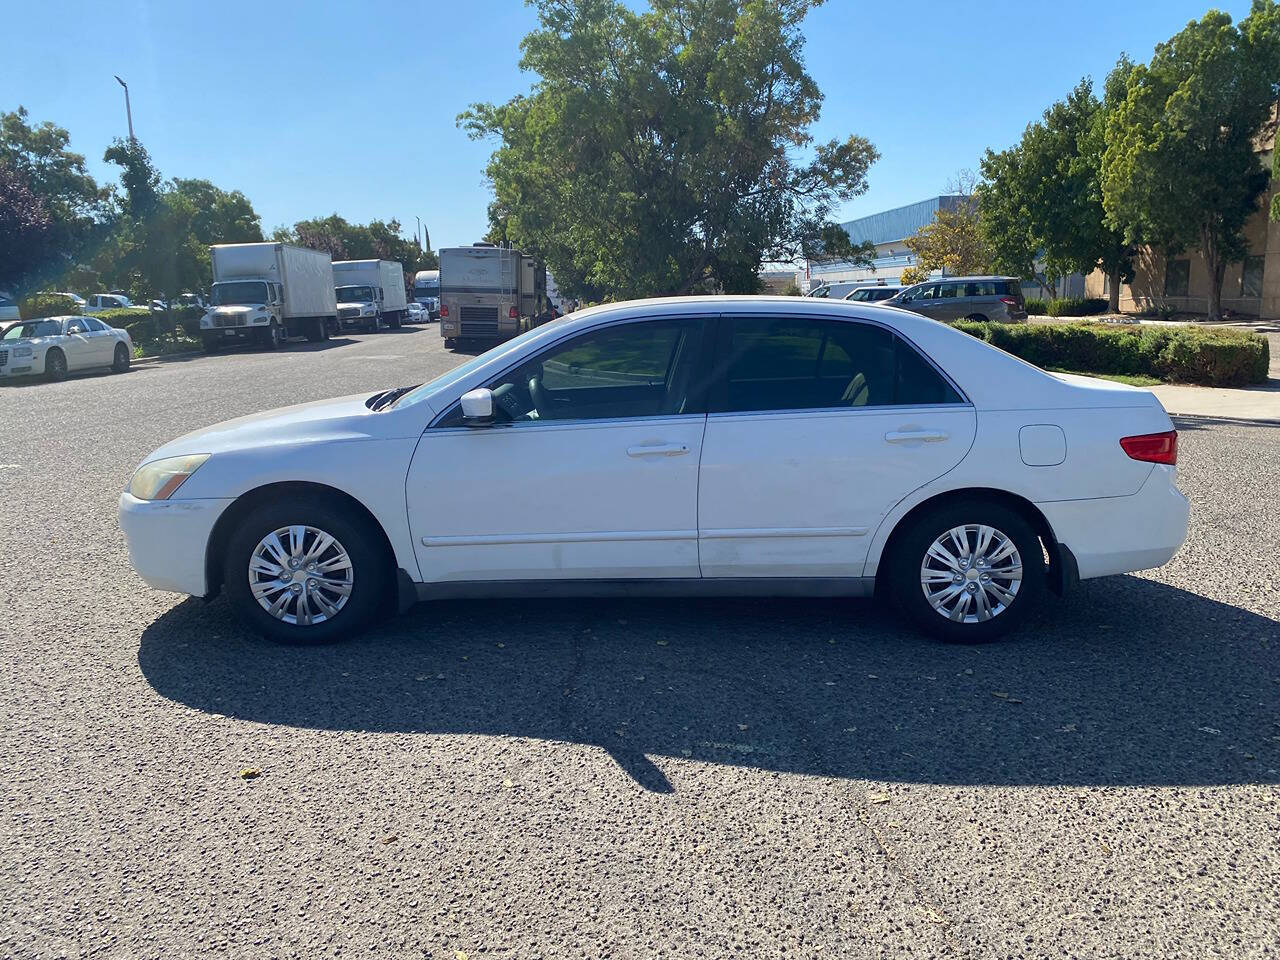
x=368, y=312
x=160, y=479
x=23, y=352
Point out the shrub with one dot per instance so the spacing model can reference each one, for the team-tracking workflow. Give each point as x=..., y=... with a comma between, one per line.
x=122, y=316
x=1075, y=307
x=47, y=305
x=1037, y=308
x=1204, y=355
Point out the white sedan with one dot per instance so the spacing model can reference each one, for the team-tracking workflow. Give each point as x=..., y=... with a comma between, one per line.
x=739, y=446
x=416, y=313
x=56, y=346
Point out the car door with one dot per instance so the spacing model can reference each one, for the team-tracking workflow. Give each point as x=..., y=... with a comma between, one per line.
x=75, y=344
x=817, y=428
x=925, y=302
x=590, y=470
x=101, y=340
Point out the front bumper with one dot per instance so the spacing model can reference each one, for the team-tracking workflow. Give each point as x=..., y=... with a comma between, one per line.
x=168, y=540
x=32, y=366
x=1123, y=534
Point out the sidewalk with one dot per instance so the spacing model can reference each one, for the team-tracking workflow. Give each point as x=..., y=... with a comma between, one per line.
x=1255, y=403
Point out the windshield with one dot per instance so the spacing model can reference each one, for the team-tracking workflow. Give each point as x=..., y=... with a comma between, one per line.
x=39, y=328
x=354, y=294
x=458, y=373
x=238, y=291
x=429, y=289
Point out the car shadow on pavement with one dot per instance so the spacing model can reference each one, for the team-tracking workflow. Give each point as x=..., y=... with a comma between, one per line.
x=1127, y=682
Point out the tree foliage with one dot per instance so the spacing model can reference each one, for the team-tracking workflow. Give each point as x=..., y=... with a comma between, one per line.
x=1180, y=167
x=954, y=240
x=51, y=208
x=1042, y=199
x=659, y=151
x=376, y=240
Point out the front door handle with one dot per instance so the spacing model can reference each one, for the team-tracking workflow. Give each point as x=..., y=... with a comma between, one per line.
x=658, y=450
x=920, y=436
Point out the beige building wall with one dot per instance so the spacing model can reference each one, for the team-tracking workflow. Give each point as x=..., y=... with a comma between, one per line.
x=1147, y=292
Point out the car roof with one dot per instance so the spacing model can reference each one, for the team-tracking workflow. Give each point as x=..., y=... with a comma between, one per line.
x=975, y=276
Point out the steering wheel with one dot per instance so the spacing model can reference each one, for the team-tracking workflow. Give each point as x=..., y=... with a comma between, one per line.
x=541, y=402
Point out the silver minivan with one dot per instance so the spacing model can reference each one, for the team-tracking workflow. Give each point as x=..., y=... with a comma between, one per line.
x=965, y=298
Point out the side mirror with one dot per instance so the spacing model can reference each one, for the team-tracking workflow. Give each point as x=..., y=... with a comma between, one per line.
x=477, y=407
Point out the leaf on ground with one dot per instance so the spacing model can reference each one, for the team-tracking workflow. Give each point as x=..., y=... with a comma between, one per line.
x=1208, y=730
x=390, y=839
x=459, y=955
x=249, y=773
x=742, y=726
x=878, y=798
x=508, y=784
x=932, y=915
x=662, y=643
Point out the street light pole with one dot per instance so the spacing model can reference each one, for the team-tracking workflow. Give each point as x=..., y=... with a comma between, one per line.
x=127, y=108
x=418, y=235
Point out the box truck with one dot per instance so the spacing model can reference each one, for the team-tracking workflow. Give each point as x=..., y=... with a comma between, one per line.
x=426, y=291
x=370, y=294
x=267, y=292
x=488, y=293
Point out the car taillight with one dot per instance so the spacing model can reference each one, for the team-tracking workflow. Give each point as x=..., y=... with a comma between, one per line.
x=513, y=314
x=1009, y=301
x=1153, y=447
x=444, y=310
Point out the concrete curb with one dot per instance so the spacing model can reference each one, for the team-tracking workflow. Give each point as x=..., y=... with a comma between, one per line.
x=1211, y=418
x=167, y=356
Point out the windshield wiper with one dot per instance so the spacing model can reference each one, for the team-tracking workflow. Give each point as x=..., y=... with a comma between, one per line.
x=385, y=399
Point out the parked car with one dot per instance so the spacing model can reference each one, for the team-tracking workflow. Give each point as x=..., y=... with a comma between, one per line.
x=716, y=445
x=965, y=298
x=8, y=308
x=56, y=346
x=835, y=291
x=106, y=301
x=873, y=293
x=157, y=306
x=417, y=312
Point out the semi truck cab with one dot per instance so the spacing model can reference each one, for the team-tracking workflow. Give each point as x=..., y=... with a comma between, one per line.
x=359, y=305
x=243, y=309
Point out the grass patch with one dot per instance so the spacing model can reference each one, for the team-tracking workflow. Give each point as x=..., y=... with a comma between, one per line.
x=163, y=348
x=1132, y=379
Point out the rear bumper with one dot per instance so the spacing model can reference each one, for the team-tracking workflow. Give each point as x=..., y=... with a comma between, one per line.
x=168, y=540
x=1123, y=534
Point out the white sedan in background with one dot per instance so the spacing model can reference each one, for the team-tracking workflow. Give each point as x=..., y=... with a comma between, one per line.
x=721, y=445
x=55, y=346
x=416, y=313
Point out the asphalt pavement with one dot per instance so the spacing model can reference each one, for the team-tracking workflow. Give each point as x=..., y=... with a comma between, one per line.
x=632, y=779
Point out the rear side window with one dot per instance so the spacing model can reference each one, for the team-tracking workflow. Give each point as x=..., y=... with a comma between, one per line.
x=797, y=364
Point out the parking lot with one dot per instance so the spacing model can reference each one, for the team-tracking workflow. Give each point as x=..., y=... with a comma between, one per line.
x=637, y=778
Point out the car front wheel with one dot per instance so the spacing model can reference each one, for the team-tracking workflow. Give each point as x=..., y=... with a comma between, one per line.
x=305, y=570
x=968, y=571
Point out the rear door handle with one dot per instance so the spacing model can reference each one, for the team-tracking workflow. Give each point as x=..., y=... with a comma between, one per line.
x=658, y=450
x=925, y=436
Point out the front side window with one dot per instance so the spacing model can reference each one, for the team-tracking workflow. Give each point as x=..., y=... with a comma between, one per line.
x=642, y=369
x=776, y=364
x=1177, y=277
x=930, y=292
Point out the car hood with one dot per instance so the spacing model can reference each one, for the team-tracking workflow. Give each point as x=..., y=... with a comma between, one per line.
x=346, y=418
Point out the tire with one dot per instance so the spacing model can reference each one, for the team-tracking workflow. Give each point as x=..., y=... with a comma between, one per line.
x=315, y=331
x=55, y=365
x=370, y=570
x=395, y=322
x=211, y=344
x=450, y=343
x=977, y=317
x=272, y=338
x=910, y=563
x=121, y=361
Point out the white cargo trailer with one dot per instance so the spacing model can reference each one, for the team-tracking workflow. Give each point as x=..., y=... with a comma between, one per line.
x=370, y=294
x=267, y=292
x=426, y=291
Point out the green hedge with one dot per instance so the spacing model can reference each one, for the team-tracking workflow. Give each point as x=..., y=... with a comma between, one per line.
x=47, y=305
x=1037, y=308
x=1178, y=354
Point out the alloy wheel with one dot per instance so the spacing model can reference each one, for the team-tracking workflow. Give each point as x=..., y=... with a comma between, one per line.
x=301, y=575
x=971, y=573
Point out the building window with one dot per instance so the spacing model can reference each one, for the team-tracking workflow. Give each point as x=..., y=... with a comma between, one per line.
x=1251, y=277
x=1177, y=277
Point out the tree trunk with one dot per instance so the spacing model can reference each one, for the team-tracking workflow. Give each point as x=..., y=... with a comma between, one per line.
x=1217, y=269
x=1113, y=286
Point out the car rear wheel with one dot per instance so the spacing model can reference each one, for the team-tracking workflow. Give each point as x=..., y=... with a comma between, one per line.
x=977, y=317
x=305, y=570
x=969, y=571
x=120, y=363
x=55, y=365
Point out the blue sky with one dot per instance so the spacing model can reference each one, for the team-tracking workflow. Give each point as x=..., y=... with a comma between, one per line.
x=319, y=107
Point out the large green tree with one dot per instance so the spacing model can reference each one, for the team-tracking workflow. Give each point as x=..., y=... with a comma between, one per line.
x=667, y=150
x=1181, y=166
x=376, y=240
x=1041, y=200
x=43, y=172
